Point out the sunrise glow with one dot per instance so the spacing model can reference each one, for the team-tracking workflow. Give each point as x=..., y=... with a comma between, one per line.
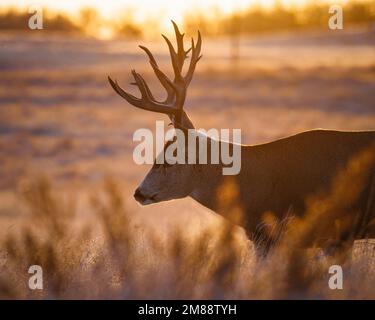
x=151, y=8
x=152, y=15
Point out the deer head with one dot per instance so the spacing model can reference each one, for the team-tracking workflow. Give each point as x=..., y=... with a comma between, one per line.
x=165, y=181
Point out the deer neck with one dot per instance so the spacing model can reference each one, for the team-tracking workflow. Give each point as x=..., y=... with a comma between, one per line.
x=208, y=180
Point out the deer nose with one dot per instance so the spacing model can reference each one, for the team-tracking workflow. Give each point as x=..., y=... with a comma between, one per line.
x=138, y=195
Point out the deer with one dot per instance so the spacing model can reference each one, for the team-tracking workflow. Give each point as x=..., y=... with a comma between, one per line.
x=275, y=177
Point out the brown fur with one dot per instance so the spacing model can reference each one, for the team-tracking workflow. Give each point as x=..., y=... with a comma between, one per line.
x=280, y=175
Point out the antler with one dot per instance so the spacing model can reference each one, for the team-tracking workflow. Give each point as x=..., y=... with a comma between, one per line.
x=176, y=89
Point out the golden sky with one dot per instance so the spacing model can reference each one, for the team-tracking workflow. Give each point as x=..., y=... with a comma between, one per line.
x=161, y=10
x=108, y=7
x=144, y=8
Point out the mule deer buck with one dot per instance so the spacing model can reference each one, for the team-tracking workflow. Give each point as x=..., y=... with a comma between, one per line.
x=275, y=177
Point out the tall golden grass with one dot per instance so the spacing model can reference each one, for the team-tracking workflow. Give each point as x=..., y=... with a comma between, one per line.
x=130, y=262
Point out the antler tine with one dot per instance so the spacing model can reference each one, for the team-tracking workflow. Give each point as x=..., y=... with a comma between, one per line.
x=178, y=58
x=181, y=53
x=175, y=60
x=195, y=57
x=142, y=103
x=176, y=89
x=127, y=96
x=164, y=80
x=149, y=54
x=147, y=95
x=143, y=87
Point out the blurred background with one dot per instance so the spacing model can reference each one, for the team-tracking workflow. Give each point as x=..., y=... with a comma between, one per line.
x=271, y=68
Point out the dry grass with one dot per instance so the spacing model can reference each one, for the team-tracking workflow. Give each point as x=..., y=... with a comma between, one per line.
x=124, y=260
